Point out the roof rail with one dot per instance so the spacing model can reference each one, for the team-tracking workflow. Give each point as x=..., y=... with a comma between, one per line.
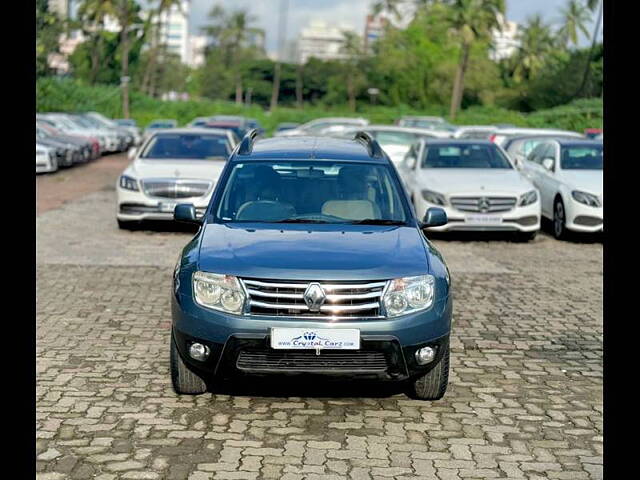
x=246, y=145
x=372, y=145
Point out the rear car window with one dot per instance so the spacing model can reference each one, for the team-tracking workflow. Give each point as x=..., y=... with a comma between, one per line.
x=187, y=146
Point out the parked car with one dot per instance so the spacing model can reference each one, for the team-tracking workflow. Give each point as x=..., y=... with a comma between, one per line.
x=72, y=152
x=198, y=122
x=315, y=127
x=115, y=140
x=286, y=126
x=63, y=153
x=475, y=132
x=519, y=147
x=279, y=281
x=501, y=135
x=592, y=132
x=92, y=143
x=475, y=183
x=568, y=174
x=132, y=127
x=82, y=147
x=432, y=123
x=46, y=160
x=238, y=128
x=127, y=136
x=395, y=140
x=61, y=122
x=158, y=125
x=173, y=165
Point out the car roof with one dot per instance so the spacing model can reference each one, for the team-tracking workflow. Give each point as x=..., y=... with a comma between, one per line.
x=578, y=141
x=311, y=148
x=548, y=136
x=202, y=131
x=392, y=128
x=458, y=141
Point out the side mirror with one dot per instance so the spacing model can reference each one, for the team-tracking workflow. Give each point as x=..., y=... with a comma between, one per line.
x=547, y=163
x=185, y=212
x=434, y=217
x=132, y=152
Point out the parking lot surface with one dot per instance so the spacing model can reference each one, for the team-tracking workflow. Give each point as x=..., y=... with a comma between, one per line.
x=524, y=399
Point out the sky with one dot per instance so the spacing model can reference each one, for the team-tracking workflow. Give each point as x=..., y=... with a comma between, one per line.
x=342, y=12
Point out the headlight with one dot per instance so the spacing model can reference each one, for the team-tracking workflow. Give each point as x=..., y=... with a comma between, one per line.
x=408, y=294
x=586, y=198
x=433, y=197
x=128, y=183
x=528, y=198
x=219, y=292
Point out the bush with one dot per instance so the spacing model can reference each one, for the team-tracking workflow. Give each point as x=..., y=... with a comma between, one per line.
x=64, y=95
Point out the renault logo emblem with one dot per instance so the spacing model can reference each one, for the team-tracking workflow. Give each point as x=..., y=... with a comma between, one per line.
x=314, y=297
x=484, y=204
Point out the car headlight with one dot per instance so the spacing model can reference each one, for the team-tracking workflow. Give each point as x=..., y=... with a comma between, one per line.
x=219, y=292
x=586, y=198
x=433, y=197
x=528, y=198
x=408, y=294
x=129, y=183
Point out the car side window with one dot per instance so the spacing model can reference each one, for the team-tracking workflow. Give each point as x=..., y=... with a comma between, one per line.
x=411, y=158
x=536, y=154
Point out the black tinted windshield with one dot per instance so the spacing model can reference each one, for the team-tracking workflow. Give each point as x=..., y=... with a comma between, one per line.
x=581, y=157
x=464, y=156
x=188, y=146
x=312, y=192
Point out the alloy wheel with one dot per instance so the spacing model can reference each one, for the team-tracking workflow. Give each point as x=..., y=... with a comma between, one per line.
x=558, y=219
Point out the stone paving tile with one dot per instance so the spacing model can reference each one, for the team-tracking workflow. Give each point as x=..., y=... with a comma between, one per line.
x=524, y=400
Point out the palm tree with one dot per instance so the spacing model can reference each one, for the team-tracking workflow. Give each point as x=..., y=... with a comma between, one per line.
x=93, y=14
x=163, y=7
x=574, y=18
x=233, y=36
x=536, y=43
x=591, y=5
x=126, y=12
x=471, y=20
x=390, y=7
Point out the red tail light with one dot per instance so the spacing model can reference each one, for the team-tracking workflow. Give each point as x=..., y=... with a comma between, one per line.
x=492, y=137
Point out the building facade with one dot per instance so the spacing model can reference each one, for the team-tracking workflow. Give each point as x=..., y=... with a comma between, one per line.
x=321, y=41
x=505, y=41
x=60, y=7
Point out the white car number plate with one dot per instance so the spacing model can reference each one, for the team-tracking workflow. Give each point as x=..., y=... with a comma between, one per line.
x=483, y=219
x=167, y=207
x=315, y=338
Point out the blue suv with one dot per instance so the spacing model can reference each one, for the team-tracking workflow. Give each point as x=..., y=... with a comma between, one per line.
x=310, y=260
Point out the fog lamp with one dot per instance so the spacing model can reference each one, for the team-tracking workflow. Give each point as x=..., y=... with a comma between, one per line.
x=199, y=351
x=425, y=355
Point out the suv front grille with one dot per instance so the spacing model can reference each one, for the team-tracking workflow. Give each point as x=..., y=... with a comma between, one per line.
x=172, y=188
x=286, y=298
x=483, y=204
x=337, y=361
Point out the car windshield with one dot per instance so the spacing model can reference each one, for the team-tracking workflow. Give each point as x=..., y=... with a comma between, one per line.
x=162, y=125
x=126, y=122
x=464, y=156
x=581, y=157
x=312, y=192
x=237, y=129
x=187, y=146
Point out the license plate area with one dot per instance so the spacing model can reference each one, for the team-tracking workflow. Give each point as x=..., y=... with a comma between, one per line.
x=483, y=219
x=315, y=338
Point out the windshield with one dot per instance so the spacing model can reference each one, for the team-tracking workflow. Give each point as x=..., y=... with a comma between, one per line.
x=187, y=146
x=162, y=125
x=312, y=192
x=464, y=156
x=581, y=157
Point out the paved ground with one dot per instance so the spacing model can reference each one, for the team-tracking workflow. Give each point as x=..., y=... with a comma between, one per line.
x=524, y=400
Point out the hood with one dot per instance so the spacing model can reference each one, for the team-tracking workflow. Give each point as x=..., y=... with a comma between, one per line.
x=179, y=168
x=313, y=252
x=589, y=181
x=473, y=181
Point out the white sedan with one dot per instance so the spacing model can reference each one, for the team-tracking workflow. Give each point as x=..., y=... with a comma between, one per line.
x=46, y=160
x=568, y=174
x=475, y=183
x=172, y=166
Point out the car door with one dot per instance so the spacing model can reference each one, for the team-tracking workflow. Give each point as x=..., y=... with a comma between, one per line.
x=548, y=184
x=531, y=164
x=407, y=168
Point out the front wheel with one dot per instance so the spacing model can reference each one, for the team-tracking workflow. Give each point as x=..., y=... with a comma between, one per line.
x=559, y=220
x=184, y=381
x=432, y=385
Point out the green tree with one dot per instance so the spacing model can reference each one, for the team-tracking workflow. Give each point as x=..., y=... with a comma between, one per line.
x=536, y=44
x=92, y=15
x=575, y=16
x=48, y=30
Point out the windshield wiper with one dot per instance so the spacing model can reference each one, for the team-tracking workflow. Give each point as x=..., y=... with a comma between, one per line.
x=300, y=220
x=377, y=221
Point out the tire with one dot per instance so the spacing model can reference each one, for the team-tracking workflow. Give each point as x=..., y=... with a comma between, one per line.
x=128, y=225
x=432, y=385
x=184, y=381
x=526, y=236
x=559, y=220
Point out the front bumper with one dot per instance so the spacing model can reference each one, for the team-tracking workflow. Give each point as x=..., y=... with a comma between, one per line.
x=136, y=206
x=583, y=218
x=518, y=219
x=227, y=336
